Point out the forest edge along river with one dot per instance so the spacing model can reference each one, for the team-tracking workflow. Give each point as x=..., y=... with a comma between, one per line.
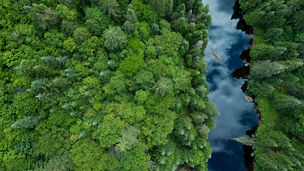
x=226, y=79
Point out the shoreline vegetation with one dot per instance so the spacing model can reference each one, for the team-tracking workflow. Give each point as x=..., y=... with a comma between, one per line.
x=244, y=72
x=275, y=80
x=104, y=85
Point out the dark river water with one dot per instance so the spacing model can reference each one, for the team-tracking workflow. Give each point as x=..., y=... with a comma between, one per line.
x=237, y=115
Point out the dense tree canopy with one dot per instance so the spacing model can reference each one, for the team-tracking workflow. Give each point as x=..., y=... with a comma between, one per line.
x=277, y=81
x=104, y=85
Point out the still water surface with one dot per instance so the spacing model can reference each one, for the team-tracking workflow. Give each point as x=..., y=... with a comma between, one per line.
x=237, y=115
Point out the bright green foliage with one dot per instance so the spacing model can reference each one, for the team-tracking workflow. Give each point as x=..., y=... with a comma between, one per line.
x=167, y=44
x=54, y=38
x=65, y=12
x=69, y=44
x=182, y=80
x=114, y=38
x=135, y=159
x=110, y=131
x=87, y=155
x=131, y=65
x=23, y=106
x=104, y=85
x=52, y=142
x=128, y=139
x=163, y=86
x=277, y=81
x=164, y=126
x=185, y=131
x=115, y=86
x=141, y=96
x=261, y=87
x=136, y=46
x=142, y=31
x=127, y=111
x=144, y=12
x=248, y=5
x=16, y=161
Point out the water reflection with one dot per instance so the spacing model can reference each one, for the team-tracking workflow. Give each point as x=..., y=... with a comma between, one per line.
x=237, y=115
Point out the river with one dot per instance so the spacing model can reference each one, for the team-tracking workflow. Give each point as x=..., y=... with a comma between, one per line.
x=237, y=115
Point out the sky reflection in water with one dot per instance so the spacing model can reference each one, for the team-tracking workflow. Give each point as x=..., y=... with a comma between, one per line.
x=237, y=115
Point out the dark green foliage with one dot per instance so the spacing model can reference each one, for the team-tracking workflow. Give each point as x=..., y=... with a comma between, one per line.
x=144, y=12
x=185, y=131
x=296, y=90
x=96, y=21
x=131, y=19
x=275, y=151
x=44, y=17
x=277, y=81
x=286, y=102
x=110, y=7
x=51, y=142
x=273, y=13
x=261, y=87
x=103, y=85
x=273, y=34
x=266, y=52
x=265, y=69
x=162, y=7
x=296, y=14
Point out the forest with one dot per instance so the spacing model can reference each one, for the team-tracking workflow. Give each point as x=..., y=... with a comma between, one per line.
x=120, y=85
x=277, y=81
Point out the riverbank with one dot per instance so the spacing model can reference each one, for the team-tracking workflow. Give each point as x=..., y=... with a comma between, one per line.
x=275, y=65
x=244, y=72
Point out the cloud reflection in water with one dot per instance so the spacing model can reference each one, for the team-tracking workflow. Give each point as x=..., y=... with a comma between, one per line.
x=237, y=115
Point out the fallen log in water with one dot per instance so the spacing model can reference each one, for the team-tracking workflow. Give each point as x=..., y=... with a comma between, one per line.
x=216, y=55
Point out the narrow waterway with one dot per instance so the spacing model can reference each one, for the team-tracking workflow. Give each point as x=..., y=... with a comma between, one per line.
x=237, y=115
